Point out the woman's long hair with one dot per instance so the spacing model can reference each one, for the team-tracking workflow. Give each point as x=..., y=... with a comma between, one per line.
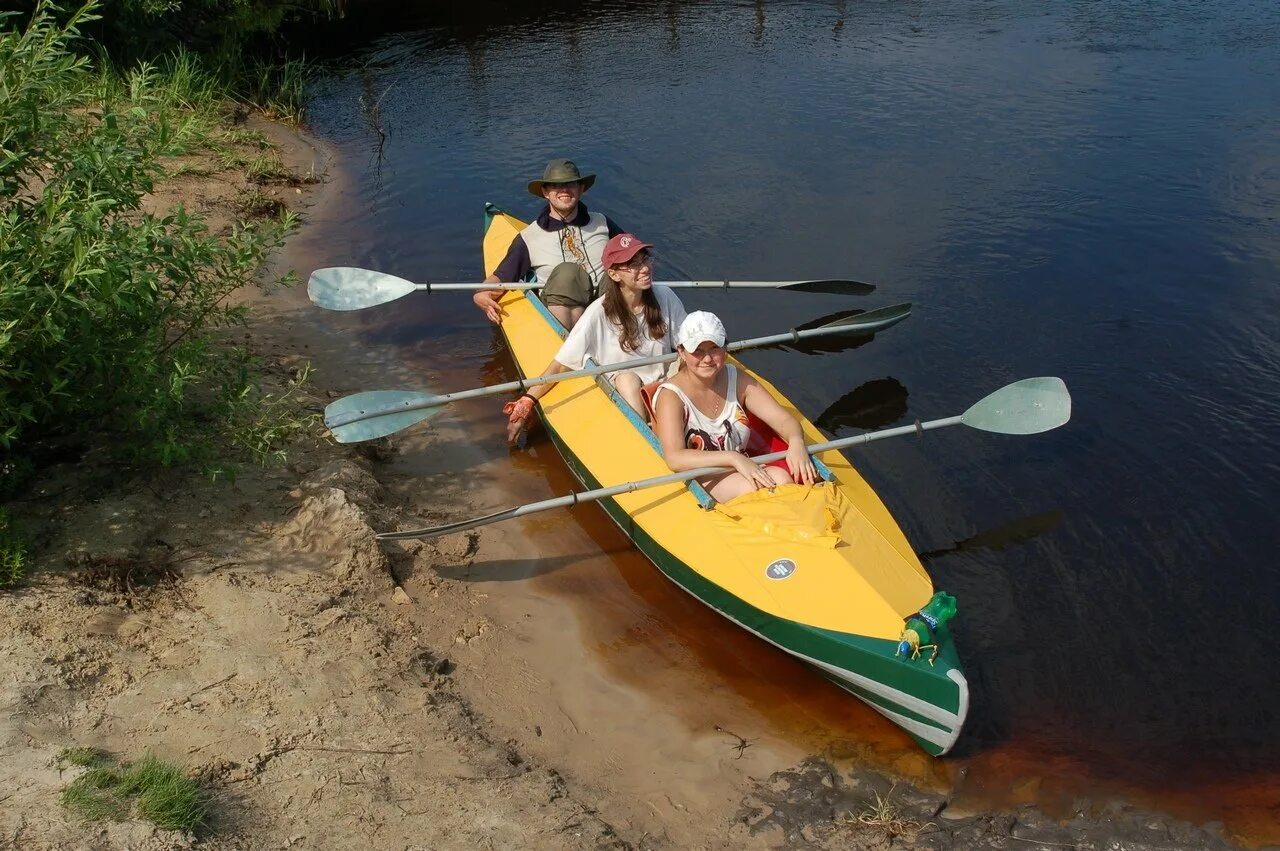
x=617, y=312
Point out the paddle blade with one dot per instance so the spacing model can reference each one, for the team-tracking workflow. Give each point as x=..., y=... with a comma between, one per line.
x=872, y=320
x=387, y=408
x=833, y=287
x=349, y=288
x=1029, y=406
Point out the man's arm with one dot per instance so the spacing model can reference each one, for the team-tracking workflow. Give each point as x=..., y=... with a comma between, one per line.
x=514, y=267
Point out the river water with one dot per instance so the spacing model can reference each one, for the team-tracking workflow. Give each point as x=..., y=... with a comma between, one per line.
x=1079, y=189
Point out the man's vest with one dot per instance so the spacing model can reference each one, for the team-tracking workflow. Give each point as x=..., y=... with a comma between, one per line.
x=582, y=245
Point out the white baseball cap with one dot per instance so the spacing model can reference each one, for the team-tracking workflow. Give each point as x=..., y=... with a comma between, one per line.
x=700, y=327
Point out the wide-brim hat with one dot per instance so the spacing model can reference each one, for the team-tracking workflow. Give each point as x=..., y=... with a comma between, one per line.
x=561, y=171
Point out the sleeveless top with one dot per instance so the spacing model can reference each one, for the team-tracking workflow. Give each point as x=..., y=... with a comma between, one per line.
x=727, y=432
x=582, y=245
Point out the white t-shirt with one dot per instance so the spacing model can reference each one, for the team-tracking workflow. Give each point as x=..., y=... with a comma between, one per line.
x=595, y=337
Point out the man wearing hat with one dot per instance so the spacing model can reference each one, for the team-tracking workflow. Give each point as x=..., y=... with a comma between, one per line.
x=561, y=248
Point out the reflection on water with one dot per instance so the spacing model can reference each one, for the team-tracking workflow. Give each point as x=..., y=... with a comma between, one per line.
x=1084, y=190
x=878, y=403
x=1005, y=535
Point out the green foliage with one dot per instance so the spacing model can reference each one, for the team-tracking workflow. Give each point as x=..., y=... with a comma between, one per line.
x=160, y=791
x=262, y=424
x=108, y=314
x=130, y=30
x=13, y=553
x=278, y=89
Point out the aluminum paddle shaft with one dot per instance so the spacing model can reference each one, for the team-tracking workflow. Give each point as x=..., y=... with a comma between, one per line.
x=1030, y=406
x=367, y=406
x=351, y=288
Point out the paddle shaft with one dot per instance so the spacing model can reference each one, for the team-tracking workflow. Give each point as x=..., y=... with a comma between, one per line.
x=522, y=385
x=428, y=287
x=352, y=288
x=684, y=476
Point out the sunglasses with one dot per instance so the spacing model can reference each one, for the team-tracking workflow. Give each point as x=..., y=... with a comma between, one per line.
x=639, y=261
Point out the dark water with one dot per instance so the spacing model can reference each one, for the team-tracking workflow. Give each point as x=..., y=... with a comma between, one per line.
x=1083, y=189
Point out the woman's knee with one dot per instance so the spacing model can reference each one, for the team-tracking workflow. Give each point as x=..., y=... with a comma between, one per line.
x=779, y=475
x=627, y=382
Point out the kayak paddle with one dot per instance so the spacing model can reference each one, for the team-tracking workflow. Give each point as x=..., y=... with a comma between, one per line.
x=1029, y=406
x=349, y=288
x=377, y=413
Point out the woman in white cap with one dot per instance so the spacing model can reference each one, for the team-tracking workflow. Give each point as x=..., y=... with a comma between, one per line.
x=701, y=417
x=631, y=319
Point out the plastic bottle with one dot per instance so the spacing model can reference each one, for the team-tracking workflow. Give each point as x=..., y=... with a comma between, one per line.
x=923, y=626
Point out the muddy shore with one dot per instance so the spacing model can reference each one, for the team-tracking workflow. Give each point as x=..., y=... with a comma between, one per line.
x=332, y=692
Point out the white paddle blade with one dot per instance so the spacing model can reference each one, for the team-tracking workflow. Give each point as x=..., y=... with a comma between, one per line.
x=349, y=288
x=387, y=407
x=1029, y=406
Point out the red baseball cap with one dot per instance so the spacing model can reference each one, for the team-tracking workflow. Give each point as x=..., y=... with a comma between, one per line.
x=622, y=248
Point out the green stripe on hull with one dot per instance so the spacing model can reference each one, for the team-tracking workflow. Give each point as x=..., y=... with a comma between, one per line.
x=928, y=702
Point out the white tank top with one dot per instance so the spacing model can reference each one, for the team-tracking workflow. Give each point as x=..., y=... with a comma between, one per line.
x=727, y=432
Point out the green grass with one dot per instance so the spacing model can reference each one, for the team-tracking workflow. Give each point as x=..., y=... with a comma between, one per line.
x=241, y=136
x=268, y=168
x=83, y=757
x=154, y=789
x=13, y=553
x=254, y=203
x=277, y=89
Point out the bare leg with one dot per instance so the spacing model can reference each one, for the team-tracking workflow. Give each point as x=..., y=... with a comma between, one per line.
x=730, y=485
x=628, y=387
x=567, y=315
x=779, y=475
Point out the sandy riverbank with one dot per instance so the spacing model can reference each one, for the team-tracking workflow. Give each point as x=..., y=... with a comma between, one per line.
x=334, y=693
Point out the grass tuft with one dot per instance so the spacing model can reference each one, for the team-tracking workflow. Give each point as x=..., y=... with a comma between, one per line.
x=884, y=815
x=159, y=791
x=83, y=757
x=166, y=796
x=13, y=553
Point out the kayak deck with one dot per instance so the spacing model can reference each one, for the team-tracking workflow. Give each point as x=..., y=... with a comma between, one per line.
x=823, y=573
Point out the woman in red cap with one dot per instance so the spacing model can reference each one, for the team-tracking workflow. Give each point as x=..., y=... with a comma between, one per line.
x=631, y=319
x=704, y=418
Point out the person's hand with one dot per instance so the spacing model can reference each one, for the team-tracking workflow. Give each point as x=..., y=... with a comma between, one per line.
x=487, y=300
x=801, y=465
x=518, y=414
x=753, y=472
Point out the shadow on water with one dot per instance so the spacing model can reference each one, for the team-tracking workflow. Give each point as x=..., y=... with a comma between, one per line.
x=997, y=538
x=878, y=403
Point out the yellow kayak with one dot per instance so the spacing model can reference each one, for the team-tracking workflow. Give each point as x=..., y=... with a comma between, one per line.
x=822, y=572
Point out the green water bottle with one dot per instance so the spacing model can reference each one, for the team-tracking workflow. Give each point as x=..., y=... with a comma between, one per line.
x=923, y=626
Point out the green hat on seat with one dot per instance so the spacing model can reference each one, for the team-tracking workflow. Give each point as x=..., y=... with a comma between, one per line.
x=561, y=171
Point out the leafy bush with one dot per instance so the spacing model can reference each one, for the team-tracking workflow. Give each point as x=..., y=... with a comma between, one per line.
x=109, y=315
x=130, y=30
